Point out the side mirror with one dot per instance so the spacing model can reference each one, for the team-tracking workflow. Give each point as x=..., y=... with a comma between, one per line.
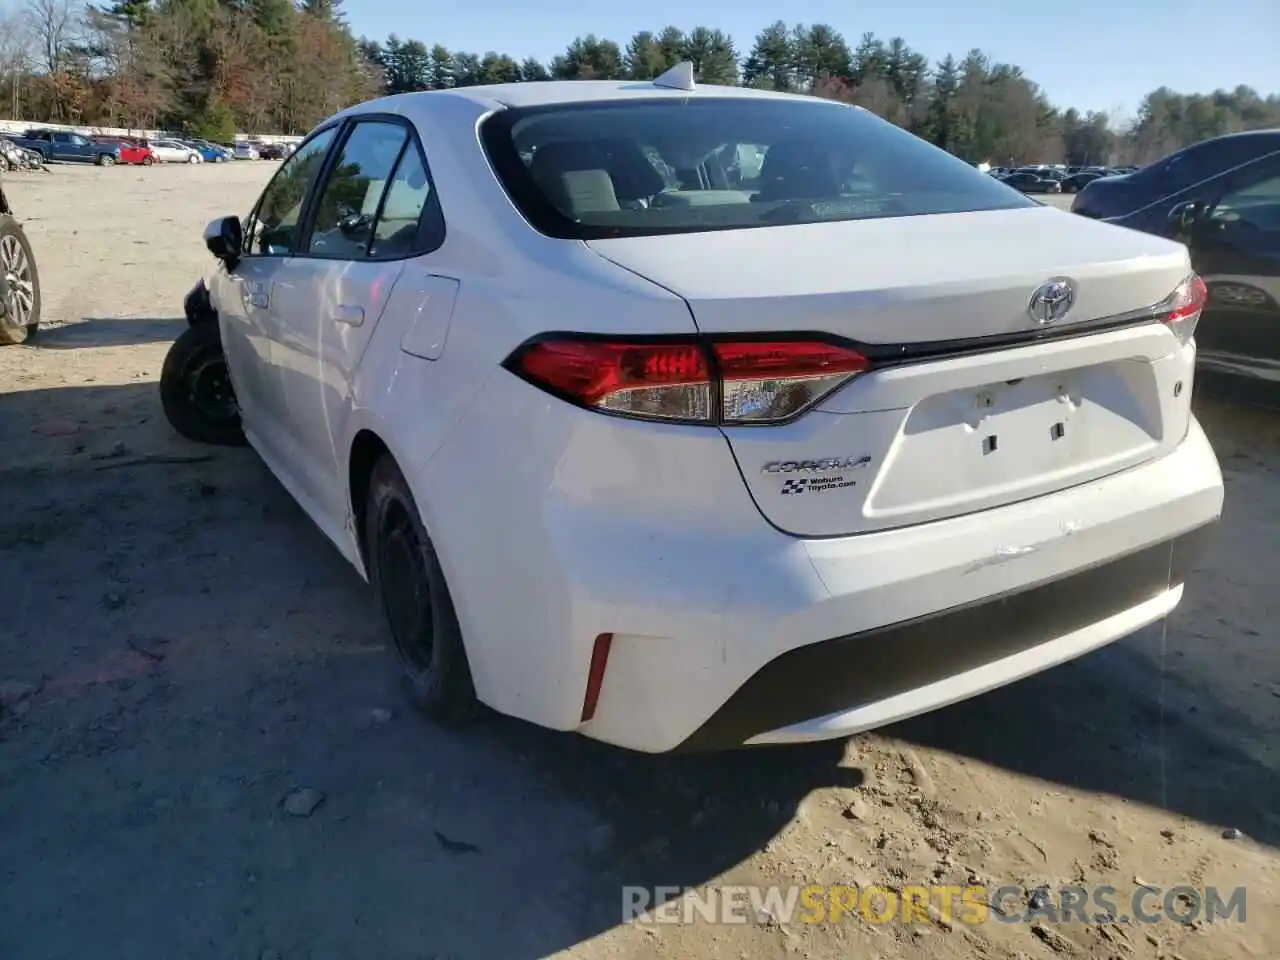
x=224, y=238
x=1185, y=215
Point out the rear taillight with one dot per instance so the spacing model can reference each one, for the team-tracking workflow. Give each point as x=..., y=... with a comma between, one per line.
x=693, y=380
x=1181, y=310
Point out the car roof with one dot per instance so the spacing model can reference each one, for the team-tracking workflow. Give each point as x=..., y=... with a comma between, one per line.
x=497, y=96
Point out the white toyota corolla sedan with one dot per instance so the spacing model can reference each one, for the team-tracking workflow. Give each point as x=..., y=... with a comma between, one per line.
x=700, y=417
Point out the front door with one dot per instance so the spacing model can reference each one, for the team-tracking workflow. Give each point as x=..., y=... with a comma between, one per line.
x=1234, y=240
x=365, y=224
x=247, y=295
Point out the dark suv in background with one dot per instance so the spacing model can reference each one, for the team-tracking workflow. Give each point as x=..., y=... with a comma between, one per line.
x=1221, y=198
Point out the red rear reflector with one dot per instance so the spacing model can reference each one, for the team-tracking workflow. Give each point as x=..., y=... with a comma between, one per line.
x=595, y=674
x=689, y=380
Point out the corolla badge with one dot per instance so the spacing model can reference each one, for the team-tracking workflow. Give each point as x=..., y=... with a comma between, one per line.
x=1052, y=300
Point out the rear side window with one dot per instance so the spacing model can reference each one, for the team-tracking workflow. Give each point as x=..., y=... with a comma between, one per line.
x=646, y=167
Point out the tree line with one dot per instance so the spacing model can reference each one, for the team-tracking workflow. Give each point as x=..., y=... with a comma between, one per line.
x=212, y=67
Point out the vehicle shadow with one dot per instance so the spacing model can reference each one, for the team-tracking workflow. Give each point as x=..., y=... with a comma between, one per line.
x=192, y=650
x=109, y=332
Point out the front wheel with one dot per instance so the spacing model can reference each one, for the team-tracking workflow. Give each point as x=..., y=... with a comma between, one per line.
x=413, y=598
x=148, y=161
x=196, y=391
x=193, y=159
x=19, y=284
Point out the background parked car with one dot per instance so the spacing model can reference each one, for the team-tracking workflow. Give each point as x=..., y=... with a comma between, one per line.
x=131, y=152
x=1075, y=182
x=1029, y=182
x=174, y=151
x=70, y=147
x=209, y=152
x=272, y=151
x=1231, y=224
x=246, y=151
x=1175, y=175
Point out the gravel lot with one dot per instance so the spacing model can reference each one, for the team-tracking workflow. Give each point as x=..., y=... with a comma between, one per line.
x=181, y=649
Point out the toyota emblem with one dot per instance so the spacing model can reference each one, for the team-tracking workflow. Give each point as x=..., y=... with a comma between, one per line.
x=1052, y=300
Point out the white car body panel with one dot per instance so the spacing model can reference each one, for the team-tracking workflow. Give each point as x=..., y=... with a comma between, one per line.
x=325, y=312
x=555, y=524
x=903, y=279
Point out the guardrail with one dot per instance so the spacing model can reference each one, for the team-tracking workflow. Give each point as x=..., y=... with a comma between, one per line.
x=21, y=126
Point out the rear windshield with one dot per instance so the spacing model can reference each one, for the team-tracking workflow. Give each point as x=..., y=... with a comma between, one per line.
x=645, y=167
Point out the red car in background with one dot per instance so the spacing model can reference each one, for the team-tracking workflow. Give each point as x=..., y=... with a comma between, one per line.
x=131, y=151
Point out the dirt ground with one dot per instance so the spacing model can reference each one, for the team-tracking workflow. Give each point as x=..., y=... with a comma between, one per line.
x=180, y=649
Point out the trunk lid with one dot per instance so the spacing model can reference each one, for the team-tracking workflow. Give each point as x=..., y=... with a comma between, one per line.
x=974, y=406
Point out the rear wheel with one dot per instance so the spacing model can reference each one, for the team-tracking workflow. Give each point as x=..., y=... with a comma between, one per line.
x=148, y=161
x=195, y=389
x=413, y=598
x=106, y=160
x=19, y=284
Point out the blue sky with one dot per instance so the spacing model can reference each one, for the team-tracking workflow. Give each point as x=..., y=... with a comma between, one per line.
x=1091, y=54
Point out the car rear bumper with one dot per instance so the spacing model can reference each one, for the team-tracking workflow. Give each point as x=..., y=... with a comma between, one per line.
x=840, y=687
x=824, y=638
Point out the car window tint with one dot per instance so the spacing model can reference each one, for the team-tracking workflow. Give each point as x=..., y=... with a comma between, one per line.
x=643, y=167
x=273, y=228
x=397, y=231
x=348, y=202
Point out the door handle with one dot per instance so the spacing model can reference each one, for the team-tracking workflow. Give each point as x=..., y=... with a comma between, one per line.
x=352, y=316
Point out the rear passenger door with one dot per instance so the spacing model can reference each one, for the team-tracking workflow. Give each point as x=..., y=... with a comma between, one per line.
x=374, y=210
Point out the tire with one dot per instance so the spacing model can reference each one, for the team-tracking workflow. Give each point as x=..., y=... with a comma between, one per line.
x=193, y=159
x=17, y=258
x=195, y=389
x=148, y=161
x=413, y=600
x=104, y=160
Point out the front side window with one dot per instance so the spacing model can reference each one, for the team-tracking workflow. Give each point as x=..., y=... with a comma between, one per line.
x=645, y=167
x=273, y=228
x=347, y=205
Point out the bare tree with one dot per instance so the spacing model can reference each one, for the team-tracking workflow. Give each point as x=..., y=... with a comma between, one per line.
x=15, y=59
x=55, y=28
